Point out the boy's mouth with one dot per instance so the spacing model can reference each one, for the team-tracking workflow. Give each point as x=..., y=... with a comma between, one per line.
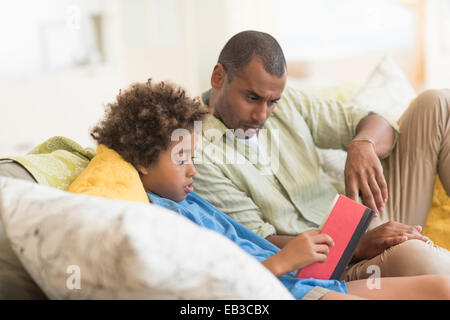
x=189, y=188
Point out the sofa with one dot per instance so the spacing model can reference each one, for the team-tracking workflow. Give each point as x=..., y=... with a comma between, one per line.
x=57, y=245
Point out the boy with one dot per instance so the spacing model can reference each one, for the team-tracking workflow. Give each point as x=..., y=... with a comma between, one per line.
x=137, y=160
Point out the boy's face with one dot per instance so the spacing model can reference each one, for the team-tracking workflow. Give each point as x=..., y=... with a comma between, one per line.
x=171, y=176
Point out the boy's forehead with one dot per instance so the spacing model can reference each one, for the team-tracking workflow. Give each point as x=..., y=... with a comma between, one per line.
x=184, y=143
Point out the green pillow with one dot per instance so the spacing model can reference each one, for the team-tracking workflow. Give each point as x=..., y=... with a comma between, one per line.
x=56, y=162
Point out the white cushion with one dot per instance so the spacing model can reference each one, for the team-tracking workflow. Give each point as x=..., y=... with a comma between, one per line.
x=124, y=250
x=387, y=92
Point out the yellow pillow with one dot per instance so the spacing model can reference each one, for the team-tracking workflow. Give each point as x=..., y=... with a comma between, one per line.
x=437, y=227
x=108, y=175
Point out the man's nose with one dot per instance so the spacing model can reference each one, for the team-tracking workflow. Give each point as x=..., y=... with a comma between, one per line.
x=260, y=112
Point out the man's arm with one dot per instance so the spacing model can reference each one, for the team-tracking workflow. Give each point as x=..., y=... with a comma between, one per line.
x=379, y=131
x=363, y=171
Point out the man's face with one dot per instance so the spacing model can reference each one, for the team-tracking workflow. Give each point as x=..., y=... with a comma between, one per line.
x=247, y=101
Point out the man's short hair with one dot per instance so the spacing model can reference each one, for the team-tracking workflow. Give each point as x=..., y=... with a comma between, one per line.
x=242, y=47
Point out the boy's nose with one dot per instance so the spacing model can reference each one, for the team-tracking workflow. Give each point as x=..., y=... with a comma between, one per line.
x=190, y=172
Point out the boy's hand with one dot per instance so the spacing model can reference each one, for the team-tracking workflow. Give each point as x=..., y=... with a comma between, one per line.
x=306, y=248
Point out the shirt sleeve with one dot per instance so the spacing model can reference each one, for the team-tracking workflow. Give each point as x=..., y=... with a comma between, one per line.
x=331, y=122
x=216, y=187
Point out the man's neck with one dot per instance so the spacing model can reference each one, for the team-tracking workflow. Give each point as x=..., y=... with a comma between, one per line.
x=210, y=99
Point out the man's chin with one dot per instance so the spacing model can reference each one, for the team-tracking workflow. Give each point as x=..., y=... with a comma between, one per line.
x=246, y=133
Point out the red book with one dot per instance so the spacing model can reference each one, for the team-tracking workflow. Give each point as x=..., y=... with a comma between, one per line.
x=345, y=224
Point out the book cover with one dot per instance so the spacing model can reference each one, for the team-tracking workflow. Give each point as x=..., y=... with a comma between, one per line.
x=346, y=224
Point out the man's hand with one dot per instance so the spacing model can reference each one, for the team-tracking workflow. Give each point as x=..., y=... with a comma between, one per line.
x=363, y=171
x=306, y=248
x=385, y=236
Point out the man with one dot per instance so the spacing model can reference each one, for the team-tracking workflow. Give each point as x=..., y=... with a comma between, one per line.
x=253, y=114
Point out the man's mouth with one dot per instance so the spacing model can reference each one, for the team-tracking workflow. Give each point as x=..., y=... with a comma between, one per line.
x=252, y=129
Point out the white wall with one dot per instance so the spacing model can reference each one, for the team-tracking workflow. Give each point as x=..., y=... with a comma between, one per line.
x=37, y=103
x=437, y=44
x=178, y=40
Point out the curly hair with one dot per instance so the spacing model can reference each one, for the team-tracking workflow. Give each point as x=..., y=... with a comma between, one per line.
x=139, y=124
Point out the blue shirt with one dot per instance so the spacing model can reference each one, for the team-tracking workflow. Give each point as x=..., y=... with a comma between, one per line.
x=206, y=215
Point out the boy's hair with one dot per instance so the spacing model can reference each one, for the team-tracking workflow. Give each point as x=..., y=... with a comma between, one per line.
x=140, y=123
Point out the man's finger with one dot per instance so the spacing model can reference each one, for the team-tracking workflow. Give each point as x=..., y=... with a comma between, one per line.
x=351, y=188
x=418, y=237
x=376, y=192
x=367, y=196
x=382, y=184
x=392, y=241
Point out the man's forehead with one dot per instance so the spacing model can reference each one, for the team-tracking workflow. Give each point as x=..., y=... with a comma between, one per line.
x=253, y=78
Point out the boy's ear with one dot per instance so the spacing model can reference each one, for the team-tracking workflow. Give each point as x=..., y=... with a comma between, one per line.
x=218, y=76
x=142, y=170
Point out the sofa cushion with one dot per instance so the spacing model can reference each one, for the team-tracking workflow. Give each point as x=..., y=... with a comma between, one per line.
x=56, y=162
x=386, y=90
x=13, y=169
x=15, y=282
x=84, y=247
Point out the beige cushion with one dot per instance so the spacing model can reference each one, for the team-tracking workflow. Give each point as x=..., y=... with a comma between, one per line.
x=84, y=247
x=10, y=168
x=15, y=282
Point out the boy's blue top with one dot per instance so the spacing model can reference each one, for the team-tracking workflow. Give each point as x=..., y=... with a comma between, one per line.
x=206, y=215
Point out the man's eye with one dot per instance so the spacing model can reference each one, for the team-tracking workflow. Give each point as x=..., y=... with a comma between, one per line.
x=253, y=98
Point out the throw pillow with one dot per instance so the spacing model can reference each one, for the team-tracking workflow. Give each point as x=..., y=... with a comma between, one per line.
x=56, y=162
x=83, y=247
x=386, y=91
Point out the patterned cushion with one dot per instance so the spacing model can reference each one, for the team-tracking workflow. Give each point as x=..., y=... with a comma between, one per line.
x=84, y=247
x=56, y=162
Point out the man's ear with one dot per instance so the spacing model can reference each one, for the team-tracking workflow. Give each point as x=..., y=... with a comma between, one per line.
x=142, y=170
x=218, y=76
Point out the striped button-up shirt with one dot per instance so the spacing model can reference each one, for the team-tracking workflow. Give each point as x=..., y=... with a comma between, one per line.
x=286, y=192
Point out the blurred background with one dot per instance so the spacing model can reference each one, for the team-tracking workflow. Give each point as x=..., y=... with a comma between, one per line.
x=62, y=61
